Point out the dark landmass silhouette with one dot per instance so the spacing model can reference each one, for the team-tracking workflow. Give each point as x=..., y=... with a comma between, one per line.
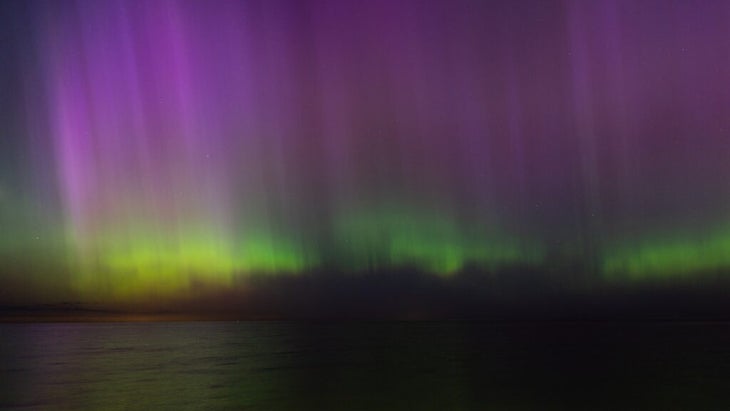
x=510, y=295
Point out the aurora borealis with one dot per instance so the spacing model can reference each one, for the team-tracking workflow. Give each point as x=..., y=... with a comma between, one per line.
x=150, y=148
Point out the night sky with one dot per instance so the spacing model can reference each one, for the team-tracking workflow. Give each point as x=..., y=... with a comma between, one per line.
x=154, y=150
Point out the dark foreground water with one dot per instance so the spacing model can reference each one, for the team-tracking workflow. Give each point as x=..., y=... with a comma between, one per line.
x=364, y=366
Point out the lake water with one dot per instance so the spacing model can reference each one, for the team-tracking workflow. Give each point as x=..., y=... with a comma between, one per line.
x=364, y=366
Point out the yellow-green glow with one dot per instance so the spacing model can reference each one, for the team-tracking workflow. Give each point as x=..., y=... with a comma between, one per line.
x=129, y=262
x=126, y=267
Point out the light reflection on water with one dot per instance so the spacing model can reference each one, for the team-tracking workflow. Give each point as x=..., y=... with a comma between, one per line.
x=439, y=366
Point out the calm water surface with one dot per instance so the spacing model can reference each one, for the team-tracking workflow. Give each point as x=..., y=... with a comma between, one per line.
x=364, y=366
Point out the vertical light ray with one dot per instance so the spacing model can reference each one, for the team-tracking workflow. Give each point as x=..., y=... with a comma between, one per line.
x=188, y=141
